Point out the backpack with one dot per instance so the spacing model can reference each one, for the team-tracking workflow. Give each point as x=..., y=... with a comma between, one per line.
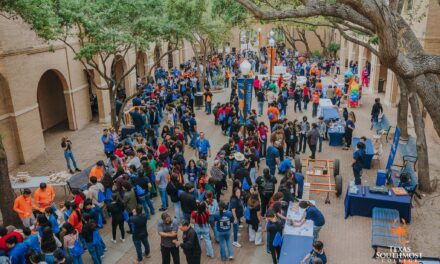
x=222, y=116
x=247, y=213
x=245, y=185
x=139, y=191
x=278, y=240
x=270, y=116
x=269, y=188
x=101, y=196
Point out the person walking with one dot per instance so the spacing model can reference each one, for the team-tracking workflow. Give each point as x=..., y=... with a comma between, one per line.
x=224, y=220
x=138, y=222
x=316, y=95
x=358, y=163
x=291, y=139
x=297, y=96
x=262, y=134
x=66, y=145
x=261, y=97
x=322, y=127
x=167, y=229
x=312, y=139
x=190, y=245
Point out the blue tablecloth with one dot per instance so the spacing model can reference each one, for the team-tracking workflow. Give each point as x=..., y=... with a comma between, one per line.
x=336, y=135
x=369, y=151
x=356, y=204
x=295, y=248
x=330, y=113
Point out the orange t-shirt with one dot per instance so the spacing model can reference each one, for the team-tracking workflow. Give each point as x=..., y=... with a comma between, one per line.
x=316, y=97
x=23, y=206
x=274, y=112
x=75, y=222
x=44, y=198
x=97, y=172
x=338, y=92
x=319, y=86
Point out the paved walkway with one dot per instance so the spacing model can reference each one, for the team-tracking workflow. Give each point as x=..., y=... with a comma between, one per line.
x=346, y=241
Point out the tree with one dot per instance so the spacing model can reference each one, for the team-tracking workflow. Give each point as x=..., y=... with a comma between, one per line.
x=7, y=199
x=106, y=31
x=205, y=30
x=397, y=48
x=333, y=48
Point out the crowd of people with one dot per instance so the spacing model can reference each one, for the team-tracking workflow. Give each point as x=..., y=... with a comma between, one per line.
x=210, y=202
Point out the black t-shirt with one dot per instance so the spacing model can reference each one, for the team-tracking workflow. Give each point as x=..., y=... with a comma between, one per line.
x=260, y=96
x=252, y=159
x=67, y=145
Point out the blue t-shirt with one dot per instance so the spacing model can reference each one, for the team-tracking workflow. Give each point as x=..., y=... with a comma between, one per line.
x=223, y=223
x=203, y=146
x=351, y=124
x=272, y=154
x=285, y=165
x=110, y=145
x=358, y=155
x=312, y=213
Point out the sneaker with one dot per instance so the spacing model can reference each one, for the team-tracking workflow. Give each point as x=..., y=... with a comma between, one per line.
x=78, y=170
x=231, y=257
x=71, y=171
x=114, y=241
x=122, y=239
x=162, y=209
x=103, y=255
x=147, y=256
x=236, y=244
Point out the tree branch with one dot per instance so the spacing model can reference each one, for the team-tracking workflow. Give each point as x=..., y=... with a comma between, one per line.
x=311, y=8
x=355, y=40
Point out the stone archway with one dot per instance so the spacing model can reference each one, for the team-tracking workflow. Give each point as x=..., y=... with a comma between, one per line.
x=141, y=65
x=8, y=126
x=51, y=100
x=118, y=70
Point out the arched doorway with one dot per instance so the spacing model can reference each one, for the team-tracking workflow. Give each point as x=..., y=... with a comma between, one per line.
x=51, y=100
x=118, y=70
x=141, y=65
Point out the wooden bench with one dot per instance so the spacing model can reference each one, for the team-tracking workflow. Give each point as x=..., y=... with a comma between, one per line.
x=382, y=229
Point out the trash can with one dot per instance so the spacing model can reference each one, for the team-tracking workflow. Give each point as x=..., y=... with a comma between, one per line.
x=199, y=100
x=380, y=86
x=381, y=177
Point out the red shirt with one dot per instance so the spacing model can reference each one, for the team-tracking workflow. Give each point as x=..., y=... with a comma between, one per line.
x=8, y=235
x=203, y=217
x=119, y=153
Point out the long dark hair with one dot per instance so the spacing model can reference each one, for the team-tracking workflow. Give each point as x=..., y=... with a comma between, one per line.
x=48, y=242
x=222, y=207
x=201, y=209
x=266, y=174
x=70, y=230
x=75, y=208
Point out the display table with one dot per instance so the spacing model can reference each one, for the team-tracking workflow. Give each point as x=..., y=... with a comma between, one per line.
x=357, y=204
x=34, y=183
x=297, y=241
x=336, y=134
x=329, y=113
x=369, y=151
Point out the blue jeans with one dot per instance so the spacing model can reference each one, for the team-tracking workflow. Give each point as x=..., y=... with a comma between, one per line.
x=68, y=155
x=208, y=107
x=187, y=216
x=193, y=136
x=163, y=197
x=316, y=230
x=75, y=260
x=225, y=238
x=176, y=206
x=272, y=169
x=300, y=181
x=49, y=258
x=138, y=247
x=156, y=130
x=214, y=229
x=263, y=148
x=260, y=108
x=226, y=82
x=147, y=204
x=253, y=175
x=203, y=232
x=235, y=230
x=305, y=105
x=95, y=252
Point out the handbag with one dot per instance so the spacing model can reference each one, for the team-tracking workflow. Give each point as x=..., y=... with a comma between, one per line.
x=278, y=240
x=77, y=250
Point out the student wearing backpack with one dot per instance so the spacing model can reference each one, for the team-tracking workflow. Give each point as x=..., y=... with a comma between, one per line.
x=274, y=228
x=266, y=185
x=172, y=189
x=142, y=190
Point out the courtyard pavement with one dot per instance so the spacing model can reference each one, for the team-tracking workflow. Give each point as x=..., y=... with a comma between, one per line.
x=347, y=241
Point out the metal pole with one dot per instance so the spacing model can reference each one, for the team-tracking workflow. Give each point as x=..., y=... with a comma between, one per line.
x=244, y=106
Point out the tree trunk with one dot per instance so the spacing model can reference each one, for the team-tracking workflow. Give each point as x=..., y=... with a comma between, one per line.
x=302, y=36
x=402, y=109
x=7, y=202
x=322, y=42
x=112, y=105
x=422, y=148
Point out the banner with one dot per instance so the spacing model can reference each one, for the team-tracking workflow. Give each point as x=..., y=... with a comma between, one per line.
x=241, y=97
x=394, y=147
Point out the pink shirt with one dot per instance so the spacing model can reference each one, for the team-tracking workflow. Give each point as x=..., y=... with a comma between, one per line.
x=263, y=132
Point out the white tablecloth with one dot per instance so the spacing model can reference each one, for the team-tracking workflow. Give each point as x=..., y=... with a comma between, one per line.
x=295, y=213
x=34, y=182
